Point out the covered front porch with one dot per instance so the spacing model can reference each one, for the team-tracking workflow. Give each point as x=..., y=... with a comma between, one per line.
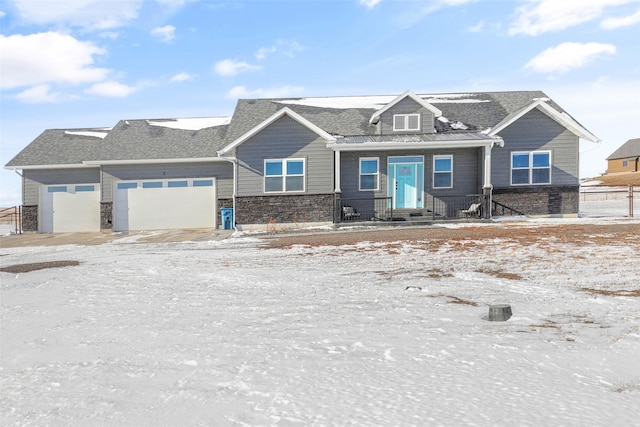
x=424, y=177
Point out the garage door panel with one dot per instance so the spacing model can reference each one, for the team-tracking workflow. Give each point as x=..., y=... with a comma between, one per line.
x=66, y=210
x=165, y=208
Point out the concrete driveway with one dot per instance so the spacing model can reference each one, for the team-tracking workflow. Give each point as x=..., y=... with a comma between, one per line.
x=55, y=239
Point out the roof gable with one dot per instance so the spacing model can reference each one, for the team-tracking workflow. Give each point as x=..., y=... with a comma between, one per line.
x=286, y=111
x=541, y=104
x=631, y=148
x=408, y=94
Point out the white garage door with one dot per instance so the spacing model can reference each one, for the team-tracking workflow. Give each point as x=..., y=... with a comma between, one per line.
x=70, y=208
x=165, y=204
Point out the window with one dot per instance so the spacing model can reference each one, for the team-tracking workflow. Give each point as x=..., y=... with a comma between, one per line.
x=57, y=189
x=175, y=184
x=80, y=188
x=406, y=122
x=369, y=173
x=152, y=184
x=203, y=183
x=284, y=175
x=625, y=163
x=126, y=185
x=443, y=171
x=531, y=168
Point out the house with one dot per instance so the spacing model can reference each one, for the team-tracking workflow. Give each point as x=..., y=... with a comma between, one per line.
x=626, y=158
x=283, y=162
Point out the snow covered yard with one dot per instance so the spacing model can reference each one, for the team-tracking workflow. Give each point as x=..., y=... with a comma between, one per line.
x=370, y=333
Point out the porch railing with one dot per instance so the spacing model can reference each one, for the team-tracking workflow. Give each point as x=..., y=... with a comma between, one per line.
x=436, y=208
x=363, y=209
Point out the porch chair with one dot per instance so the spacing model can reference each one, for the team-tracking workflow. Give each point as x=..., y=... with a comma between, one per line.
x=472, y=210
x=349, y=213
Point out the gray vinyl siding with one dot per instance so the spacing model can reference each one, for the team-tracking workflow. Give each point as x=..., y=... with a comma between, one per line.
x=34, y=179
x=535, y=131
x=284, y=139
x=407, y=106
x=222, y=171
x=466, y=172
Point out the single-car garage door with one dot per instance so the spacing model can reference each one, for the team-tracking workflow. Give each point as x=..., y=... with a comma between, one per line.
x=70, y=208
x=165, y=204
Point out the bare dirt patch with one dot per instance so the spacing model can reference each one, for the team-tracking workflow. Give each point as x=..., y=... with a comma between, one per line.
x=25, y=268
x=614, y=292
x=524, y=234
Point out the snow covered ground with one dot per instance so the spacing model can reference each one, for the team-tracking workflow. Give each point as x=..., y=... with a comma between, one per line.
x=375, y=334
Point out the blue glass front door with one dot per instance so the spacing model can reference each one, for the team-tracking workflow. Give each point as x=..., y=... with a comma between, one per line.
x=405, y=179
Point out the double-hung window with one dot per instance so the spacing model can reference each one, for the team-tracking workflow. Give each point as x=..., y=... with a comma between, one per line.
x=529, y=168
x=284, y=175
x=443, y=171
x=369, y=176
x=406, y=122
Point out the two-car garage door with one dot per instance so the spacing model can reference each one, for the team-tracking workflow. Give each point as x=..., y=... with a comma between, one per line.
x=164, y=204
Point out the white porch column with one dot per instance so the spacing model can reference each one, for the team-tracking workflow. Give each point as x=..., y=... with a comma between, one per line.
x=336, y=173
x=486, y=185
x=487, y=166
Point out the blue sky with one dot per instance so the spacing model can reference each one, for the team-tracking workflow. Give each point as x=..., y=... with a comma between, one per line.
x=90, y=63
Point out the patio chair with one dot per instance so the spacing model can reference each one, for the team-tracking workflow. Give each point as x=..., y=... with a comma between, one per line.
x=472, y=210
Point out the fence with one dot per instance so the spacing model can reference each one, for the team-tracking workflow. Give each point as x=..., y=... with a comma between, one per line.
x=12, y=217
x=610, y=201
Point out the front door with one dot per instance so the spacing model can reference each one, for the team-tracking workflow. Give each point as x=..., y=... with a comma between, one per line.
x=405, y=182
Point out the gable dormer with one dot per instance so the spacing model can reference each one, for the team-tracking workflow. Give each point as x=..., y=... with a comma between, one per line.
x=406, y=114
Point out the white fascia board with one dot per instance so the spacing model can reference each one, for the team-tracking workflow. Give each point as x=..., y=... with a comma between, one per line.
x=562, y=118
x=392, y=146
x=69, y=166
x=151, y=161
x=436, y=112
x=279, y=114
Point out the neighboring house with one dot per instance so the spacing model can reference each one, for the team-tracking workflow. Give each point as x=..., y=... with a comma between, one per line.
x=626, y=158
x=280, y=162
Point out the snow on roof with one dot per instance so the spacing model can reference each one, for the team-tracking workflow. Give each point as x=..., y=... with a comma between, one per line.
x=377, y=102
x=196, y=123
x=96, y=133
x=342, y=102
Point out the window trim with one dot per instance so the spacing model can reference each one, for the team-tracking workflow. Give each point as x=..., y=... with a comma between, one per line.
x=406, y=122
x=530, y=168
x=376, y=174
x=433, y=171
x=285, y=175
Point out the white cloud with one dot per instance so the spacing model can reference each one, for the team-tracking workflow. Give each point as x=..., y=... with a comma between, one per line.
x=567, y=56
x=181, y=77
x=166, y=33
x=3, y=13
x=274, y=92
x=625, y=21
x=40, y=94
x=540, y=16
x=47, y=58
x=369, y=3
x=288, y=48
x=88, y=14
x=477, y=28
x=229, y=67
x=111, y=89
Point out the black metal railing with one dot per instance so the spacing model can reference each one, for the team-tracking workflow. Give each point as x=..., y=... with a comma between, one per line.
x=498, y=209
x=456, y=207
x=363, y=209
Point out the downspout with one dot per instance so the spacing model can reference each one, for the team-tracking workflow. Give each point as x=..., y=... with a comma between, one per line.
x=233, y=161
x=487, y=187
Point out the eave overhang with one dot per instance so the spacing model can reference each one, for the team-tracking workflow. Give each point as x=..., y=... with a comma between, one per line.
x=150, y=161
x=58, y=166
x=422, y=142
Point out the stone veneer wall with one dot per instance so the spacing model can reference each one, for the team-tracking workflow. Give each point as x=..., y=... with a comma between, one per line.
x=540, y=200
x=30, y=218
x=284, y=209
x=106, y=215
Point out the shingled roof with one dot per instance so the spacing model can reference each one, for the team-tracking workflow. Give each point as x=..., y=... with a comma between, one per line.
x=629, y=149
x=346, y=116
